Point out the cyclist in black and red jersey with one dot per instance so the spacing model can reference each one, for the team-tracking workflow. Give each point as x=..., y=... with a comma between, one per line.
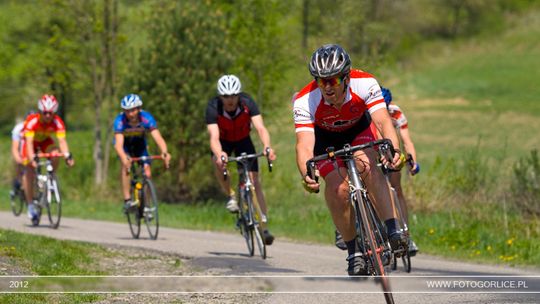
x=229, y=117
x=331, y=111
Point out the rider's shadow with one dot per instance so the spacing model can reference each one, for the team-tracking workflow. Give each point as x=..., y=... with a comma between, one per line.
x=235, y=262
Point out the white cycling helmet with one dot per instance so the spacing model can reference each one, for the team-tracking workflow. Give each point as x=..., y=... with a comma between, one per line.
x=48, y=103
x=229, y=85
x=131, y=101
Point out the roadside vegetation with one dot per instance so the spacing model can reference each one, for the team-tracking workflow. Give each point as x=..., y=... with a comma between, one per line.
x=471, y=98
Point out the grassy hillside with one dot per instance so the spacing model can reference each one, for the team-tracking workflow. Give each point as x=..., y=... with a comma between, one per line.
x=473, y=109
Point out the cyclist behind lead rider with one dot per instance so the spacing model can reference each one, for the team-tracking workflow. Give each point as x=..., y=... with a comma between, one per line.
x=401, y=124
x=17, y=142
x=331, y=111
x=38, y=131
x=229, y=117
x=130, y=129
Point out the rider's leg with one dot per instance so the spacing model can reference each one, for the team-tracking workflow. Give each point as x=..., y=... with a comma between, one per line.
x=337, y=199
x=395, y=181
x=258, y=191
x=125, y=178
x=148, y=170
x=225, y=184
x=28, y=183
x=367, y=165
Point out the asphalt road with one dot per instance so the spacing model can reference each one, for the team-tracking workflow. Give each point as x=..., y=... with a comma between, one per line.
x=302, y=273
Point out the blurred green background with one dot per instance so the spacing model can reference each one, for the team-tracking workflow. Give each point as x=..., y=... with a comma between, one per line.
x=465, y=72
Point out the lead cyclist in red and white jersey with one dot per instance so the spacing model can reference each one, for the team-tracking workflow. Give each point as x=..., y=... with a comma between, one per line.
x=331, y=111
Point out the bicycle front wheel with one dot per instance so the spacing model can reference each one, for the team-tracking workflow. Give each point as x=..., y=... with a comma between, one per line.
x=134, y=218
x=17, y=202
x=257, y=229
x=375, y=248
x=150, y=211
x=54, y=204
x=244, y=223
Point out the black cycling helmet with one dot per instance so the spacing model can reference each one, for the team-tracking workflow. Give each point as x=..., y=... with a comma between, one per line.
x=329, y=60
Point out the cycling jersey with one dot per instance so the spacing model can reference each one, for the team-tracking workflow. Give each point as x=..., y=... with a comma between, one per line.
x=17, y=132
x=398, y=118
x=137, y=133
x=233, y=126
x=333, y=127
x=310, y=109
x=40, y=131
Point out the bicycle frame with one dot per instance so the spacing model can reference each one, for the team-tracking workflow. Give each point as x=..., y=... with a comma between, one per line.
x=140, y=188
x=252, y=219
x=47, y=187
x=371, y=237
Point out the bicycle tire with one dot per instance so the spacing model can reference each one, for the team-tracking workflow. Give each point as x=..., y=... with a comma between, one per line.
x=150, y=209
x=244, y=223
x=53, y=202
x=257, y=230
x=17, y=202
x=134, y=219
x=374, y=248
x=406, y=259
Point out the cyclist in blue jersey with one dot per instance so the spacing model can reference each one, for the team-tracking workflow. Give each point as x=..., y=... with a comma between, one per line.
x=130, y=130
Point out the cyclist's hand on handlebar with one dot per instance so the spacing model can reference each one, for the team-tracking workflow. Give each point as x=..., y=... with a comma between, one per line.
x=166, y=159
x=69, y=159
x=126, y=162
x=221, y=160
x=271, y=154
x=414, y=169
x=309, y=184
x=396, y=163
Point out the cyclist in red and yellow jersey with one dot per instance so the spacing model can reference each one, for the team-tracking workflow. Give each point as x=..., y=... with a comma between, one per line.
x=38, y=131
x=229, y=117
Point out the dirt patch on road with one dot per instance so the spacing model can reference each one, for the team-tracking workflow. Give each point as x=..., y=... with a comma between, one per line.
x=155, y=273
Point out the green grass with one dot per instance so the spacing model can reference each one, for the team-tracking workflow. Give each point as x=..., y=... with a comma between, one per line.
x=479, y=94
x=39, y=255
x=485, y=239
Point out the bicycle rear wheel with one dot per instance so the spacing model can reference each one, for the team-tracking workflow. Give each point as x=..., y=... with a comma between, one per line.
x=257, y=229
x=17, y=202
x=244, y=223
x=150, y=211
x=374, y=245
x=54, y=204
x=134, y=219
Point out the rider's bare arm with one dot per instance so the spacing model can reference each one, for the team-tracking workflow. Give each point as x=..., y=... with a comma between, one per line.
x=119, y=148
x=263, y=134
x=215, y=145
x=383, y=122
x=15, y=151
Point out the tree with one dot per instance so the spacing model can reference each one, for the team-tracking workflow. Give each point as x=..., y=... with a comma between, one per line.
x=175, y=76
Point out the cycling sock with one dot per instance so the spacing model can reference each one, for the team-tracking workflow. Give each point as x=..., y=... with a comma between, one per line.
x=127, y=200
x=351, y=246
x=391, y=226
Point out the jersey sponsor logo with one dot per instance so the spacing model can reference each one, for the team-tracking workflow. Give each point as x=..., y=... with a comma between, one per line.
x=298, y=113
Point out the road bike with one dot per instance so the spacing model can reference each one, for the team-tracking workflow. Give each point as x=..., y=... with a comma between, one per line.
x=47, y=190
x=402, y=252
x=371, y=236
x=249, y=216
x=17, y=199
x=144, y=195
x=405, y=256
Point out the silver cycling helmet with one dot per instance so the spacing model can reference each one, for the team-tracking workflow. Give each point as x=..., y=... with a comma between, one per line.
x=131, y=101
x=229, y=85
x=329, y=60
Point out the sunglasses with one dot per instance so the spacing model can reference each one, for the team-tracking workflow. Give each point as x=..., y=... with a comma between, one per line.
x=47, y=113
x=333, y=82
x=227, y=96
